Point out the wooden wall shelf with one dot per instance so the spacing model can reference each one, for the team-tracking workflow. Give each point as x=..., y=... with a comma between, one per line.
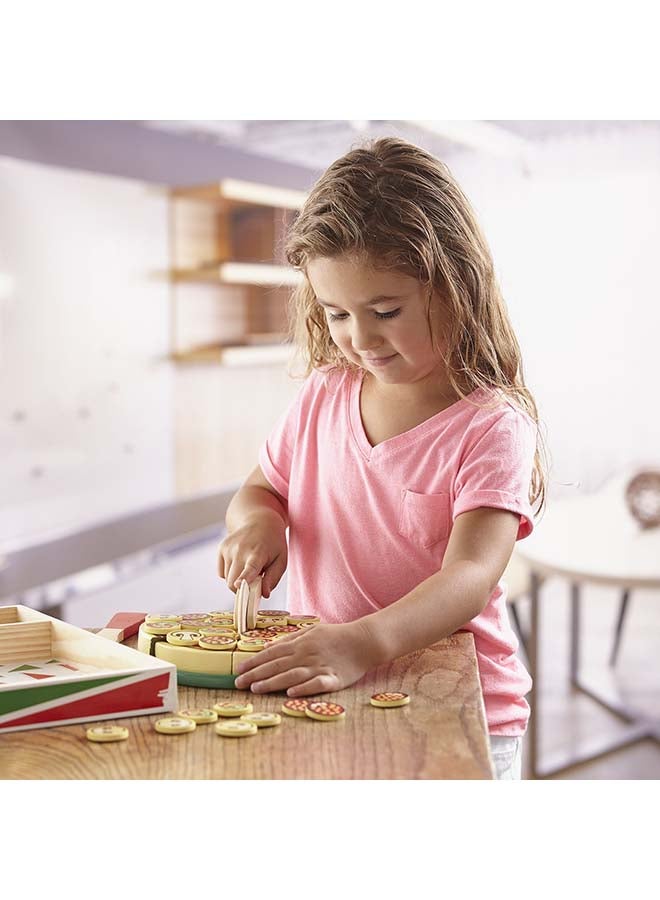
x=229, y=278
x=232, y=191
x=235, y=355
x=241, y=273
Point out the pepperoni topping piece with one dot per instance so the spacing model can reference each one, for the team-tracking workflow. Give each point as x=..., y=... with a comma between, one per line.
x=324, y=710
x=295, y=707
x=390, y=698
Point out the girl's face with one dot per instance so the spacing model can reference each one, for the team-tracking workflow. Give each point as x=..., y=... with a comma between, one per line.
x=378, y=319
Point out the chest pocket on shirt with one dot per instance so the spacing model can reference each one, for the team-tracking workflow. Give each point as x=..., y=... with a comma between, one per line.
x=424, y=518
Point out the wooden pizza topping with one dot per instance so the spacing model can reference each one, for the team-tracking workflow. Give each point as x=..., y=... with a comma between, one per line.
x=226, y=630
x=200, y=716
x=232, y=708
x=390, y=698
x=251, y=645
x=295, y=707
x=174, y=725
x=183, y=638
x=262, y=720
x=161, y=627
x=254, y=633
x=323, y=710
x=217, y=642
x=106, y=733
x=236, y=729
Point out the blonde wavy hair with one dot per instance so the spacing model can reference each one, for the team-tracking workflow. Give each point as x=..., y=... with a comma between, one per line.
x=400, y=208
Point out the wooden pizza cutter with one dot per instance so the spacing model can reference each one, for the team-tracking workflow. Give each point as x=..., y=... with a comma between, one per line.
x=246, y=605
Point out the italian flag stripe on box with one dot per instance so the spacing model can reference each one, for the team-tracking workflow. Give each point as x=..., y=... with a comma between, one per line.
x=94, y=697
x=10, y=701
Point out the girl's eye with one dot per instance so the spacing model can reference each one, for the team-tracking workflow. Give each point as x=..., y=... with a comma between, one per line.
x=391, y=314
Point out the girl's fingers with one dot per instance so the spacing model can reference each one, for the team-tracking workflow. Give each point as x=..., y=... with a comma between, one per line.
x=281, y=682
x=319, y=684
x=248, y=572
x=282, y=647
x=276, y=651
x=258, y=670
x=287, y=638
x=272, y=574
x=242, y=567
x=221, y=562
x=232, y=574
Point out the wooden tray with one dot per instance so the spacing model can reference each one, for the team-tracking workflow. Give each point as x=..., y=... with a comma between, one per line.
x=53, y=673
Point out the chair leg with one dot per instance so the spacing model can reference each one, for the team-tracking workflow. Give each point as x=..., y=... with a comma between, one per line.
x=619, y=627
x=519, y=628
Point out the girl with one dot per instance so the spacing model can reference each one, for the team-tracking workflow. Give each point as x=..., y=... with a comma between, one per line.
x=407, y=466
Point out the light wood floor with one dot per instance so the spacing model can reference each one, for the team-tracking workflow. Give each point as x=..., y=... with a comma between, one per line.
x=568, y=718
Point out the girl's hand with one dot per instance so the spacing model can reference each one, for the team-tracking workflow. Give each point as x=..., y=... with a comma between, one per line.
x=319, y=659
x=258, y=546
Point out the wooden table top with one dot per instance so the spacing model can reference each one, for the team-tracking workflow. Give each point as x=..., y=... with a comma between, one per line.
x=441, y=734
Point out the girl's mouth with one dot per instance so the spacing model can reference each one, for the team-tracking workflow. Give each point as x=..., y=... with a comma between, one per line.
x=379, y=360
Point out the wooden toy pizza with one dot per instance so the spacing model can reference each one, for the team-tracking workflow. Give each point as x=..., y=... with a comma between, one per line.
x=207, y=648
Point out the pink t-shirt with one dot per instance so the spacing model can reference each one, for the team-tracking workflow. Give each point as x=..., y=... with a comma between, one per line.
x=367, y=524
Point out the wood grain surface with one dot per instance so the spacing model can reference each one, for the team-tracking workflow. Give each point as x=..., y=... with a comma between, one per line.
x=441, y=734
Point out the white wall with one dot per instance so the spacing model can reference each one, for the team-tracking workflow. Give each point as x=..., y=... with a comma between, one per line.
x=85, y=388
x=95, y=421
x=575, y=245
x=88, y=398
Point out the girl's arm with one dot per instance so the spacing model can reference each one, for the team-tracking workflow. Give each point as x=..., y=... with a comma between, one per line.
x=257, y=518
x=479, y=548
x=330, y=657
x=255, y=498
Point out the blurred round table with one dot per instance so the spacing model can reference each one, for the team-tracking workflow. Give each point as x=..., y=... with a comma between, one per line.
x=592, y=539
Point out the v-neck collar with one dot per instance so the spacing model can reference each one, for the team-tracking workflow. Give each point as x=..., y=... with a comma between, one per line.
x=398, y=440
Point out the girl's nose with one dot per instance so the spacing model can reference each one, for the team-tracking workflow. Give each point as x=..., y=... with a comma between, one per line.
x=364, y=337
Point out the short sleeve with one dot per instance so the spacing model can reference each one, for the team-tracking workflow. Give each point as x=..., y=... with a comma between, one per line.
x=277, y=452
x=497, y=469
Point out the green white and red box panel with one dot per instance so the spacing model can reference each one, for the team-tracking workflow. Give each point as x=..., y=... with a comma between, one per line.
x=35, y=695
